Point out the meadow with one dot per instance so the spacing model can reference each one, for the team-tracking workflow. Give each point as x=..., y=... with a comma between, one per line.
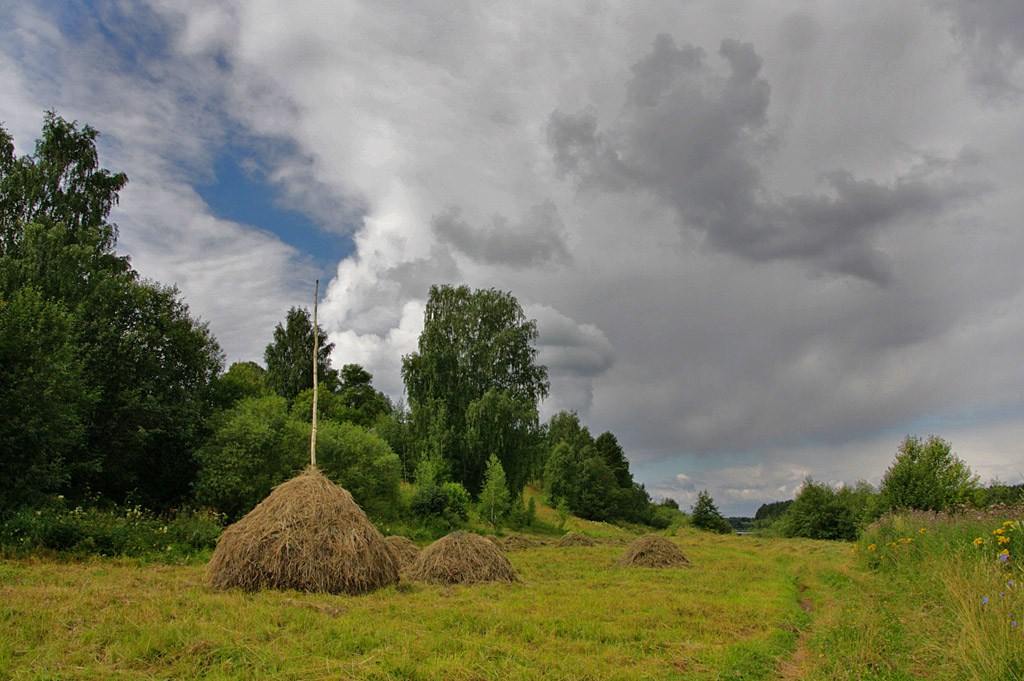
x=749, y=608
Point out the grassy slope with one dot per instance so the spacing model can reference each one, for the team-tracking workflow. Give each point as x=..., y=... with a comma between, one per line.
x=578, y=616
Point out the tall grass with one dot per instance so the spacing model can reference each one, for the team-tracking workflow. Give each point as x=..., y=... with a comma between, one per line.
x=963, y=569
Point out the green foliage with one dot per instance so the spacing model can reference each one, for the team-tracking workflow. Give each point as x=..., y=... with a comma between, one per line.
x=115, y=531
x=607, y=445
x=818, y=512
x=143, y=366
x=706, y=515
x=357, y=394
x=444, y=505
x=42, y=402
x=241, y=380
x=395, y=429
x=257, y=445
x=289, y=357
x=926, y=475
x=473, y=342
x=250, y=451
x=153, y=365
x=498, y=424
x=494, y=497
x=592, y=476
x=360, y=462
x=328, y=406
x=770, y=512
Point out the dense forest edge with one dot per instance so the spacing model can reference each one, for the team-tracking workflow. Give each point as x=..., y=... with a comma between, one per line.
x=124, y=433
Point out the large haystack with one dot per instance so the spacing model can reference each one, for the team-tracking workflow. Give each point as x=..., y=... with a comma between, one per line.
x=575, y=539
x=403, y=550
x=653, y=551
x=461, y=557
x=309, y=535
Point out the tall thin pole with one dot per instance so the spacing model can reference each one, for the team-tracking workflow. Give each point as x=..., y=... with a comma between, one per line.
x=316, y=350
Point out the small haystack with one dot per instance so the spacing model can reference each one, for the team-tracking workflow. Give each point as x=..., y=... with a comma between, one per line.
x=403, y=550
x=461, y=557
x=653, y=551
x=575, y=539
x=309, y=535
x=519, y=541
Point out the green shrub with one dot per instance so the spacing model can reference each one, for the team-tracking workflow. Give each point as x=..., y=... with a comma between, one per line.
x=118, y=531
x=257, y=445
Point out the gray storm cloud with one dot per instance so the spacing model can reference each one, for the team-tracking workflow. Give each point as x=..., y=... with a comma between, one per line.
x=537, y=239
x=991, y=36
x=695, y=137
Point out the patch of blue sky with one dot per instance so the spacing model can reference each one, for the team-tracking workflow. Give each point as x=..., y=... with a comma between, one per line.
x=240, y=194
x=131, y=33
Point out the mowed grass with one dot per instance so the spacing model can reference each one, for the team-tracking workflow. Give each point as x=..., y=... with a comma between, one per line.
x=737, y=614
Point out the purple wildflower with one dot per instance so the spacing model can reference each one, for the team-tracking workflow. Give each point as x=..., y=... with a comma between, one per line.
x=984, y=600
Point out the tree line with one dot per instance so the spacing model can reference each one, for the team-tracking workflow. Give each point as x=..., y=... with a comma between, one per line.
x=925, y=475
x=111, y=391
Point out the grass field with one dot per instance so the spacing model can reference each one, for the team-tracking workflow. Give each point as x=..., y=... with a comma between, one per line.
x=750, y=608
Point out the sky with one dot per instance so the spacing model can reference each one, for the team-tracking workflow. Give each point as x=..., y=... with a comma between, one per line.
x=762, y=241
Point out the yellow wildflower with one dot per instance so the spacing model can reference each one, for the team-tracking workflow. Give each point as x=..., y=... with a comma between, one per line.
x=872, y=547
x=1004, y=540
x=922, y=530
x=979, y=541
x=998, y=530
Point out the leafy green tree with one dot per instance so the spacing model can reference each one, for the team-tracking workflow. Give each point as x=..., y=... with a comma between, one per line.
x=144, y=360
x=153, y=365
x=472, y=342
x=257, y=445
x=442, y=504
x=241, y=380
x=395, y=429
x=818, y=512
x=289, y=356
x=498, y=424
x=582, y=480
x=247, y=454
x=706, y=515
x=608, y=447
x=926, y=475
x=563, y=427
x=494, y=497
x=356, y=392
x=360, y=462
x=42, y=400
x=60, y=184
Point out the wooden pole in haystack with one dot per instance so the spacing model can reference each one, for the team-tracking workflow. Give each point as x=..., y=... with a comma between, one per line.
x=316, y=349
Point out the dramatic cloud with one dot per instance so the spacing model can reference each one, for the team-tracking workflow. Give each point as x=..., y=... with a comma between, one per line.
x=991, y=35
x=695, y=137
x=539, y=238
x=759, y=244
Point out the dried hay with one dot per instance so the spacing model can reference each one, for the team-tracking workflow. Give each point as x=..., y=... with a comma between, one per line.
x=519, y=541
x=308, y=535
x=575, y=539
x=461, y=557
x=653, y=551
x=403, y=550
